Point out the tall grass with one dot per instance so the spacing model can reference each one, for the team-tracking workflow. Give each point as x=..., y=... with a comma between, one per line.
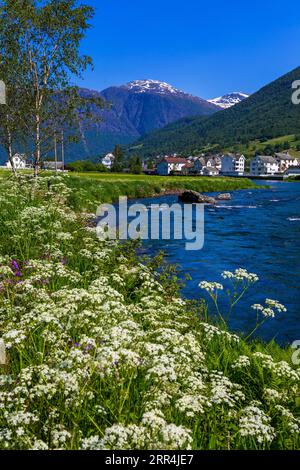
x=91, y=188
x=102, y=354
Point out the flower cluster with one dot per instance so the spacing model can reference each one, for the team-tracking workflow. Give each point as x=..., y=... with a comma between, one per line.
x=210, y=286
x=270, y=309
x=254, y=423
x=240, y=274
x=100, y=356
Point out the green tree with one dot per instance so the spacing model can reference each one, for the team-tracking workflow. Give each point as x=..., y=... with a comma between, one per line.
x=135, y=164
x=13, y=123
x=86, y=166
x=47, y=36
x=150, y=164
x=119, y=161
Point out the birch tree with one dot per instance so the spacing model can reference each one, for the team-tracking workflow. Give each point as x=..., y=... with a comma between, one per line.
x=12, y=72
x=48, y=45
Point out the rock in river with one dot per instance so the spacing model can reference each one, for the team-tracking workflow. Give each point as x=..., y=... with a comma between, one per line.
x=224, y=197
x=193, y=197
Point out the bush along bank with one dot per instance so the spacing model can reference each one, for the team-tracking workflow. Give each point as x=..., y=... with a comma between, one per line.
x=100, y=353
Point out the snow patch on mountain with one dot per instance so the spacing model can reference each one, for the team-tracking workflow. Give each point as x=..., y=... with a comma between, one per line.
x=229, y=100
x=153, y=86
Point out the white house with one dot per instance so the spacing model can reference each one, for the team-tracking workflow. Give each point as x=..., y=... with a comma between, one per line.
x=217, y=162
x=211, y=171
x=168, y=165
x=19, y=162
x=285, y=161
x=233, y=165
x=108, y=161
x=263, y=165
x=203, y=164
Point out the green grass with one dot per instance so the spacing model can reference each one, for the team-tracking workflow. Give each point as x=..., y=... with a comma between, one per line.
x=256, y=146
x=89, y=189
x=102, y=353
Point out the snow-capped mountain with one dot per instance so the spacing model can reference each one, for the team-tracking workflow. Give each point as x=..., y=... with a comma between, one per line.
x=153, y=86
x=137, y=108
x=142, y=106
x=229, y=100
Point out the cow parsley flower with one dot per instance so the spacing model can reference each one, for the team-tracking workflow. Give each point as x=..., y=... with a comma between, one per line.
x=241, y=363
x=211, y=287
x=240, y=274
x=254, y=423
x=270, y=309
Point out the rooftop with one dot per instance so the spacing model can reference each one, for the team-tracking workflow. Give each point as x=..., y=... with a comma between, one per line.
x=284, y=156
x=266, y=159
x=174, y=160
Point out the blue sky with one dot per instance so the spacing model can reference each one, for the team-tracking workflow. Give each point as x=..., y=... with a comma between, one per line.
x=207, y=48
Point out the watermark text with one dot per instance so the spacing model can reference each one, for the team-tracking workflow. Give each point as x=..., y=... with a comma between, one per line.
x=296, y=93
x=154, y=222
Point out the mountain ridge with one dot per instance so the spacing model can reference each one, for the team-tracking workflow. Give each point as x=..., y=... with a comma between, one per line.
x=268, y=113
x=229, y=100
x=138, y=108
x=153, y=86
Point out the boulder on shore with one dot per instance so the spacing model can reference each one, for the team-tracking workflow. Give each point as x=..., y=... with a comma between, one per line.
x=224, y=197
x=193, y=197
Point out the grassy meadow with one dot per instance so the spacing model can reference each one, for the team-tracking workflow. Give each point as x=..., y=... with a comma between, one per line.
x=89, y=188
x=100, y=352
x=255, y=146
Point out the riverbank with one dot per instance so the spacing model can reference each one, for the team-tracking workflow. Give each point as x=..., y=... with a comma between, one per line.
x=90, y=189
x=101, y=352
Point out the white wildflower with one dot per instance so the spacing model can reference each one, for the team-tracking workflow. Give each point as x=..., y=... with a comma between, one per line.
x=256, y=424
x=210, y=287
x=241, y=363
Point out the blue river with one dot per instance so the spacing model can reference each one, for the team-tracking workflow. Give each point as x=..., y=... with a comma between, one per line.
x=258, y=230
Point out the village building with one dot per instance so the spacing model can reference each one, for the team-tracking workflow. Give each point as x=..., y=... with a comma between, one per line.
x=217, y=162
x=202, y=165
x=263, y=165
x=285, y=161
x=233, y=164
x=168, y=165
x=199, y=165
x=19, y=162
x=108, y=161
x=211, y=171
x=188, y=168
